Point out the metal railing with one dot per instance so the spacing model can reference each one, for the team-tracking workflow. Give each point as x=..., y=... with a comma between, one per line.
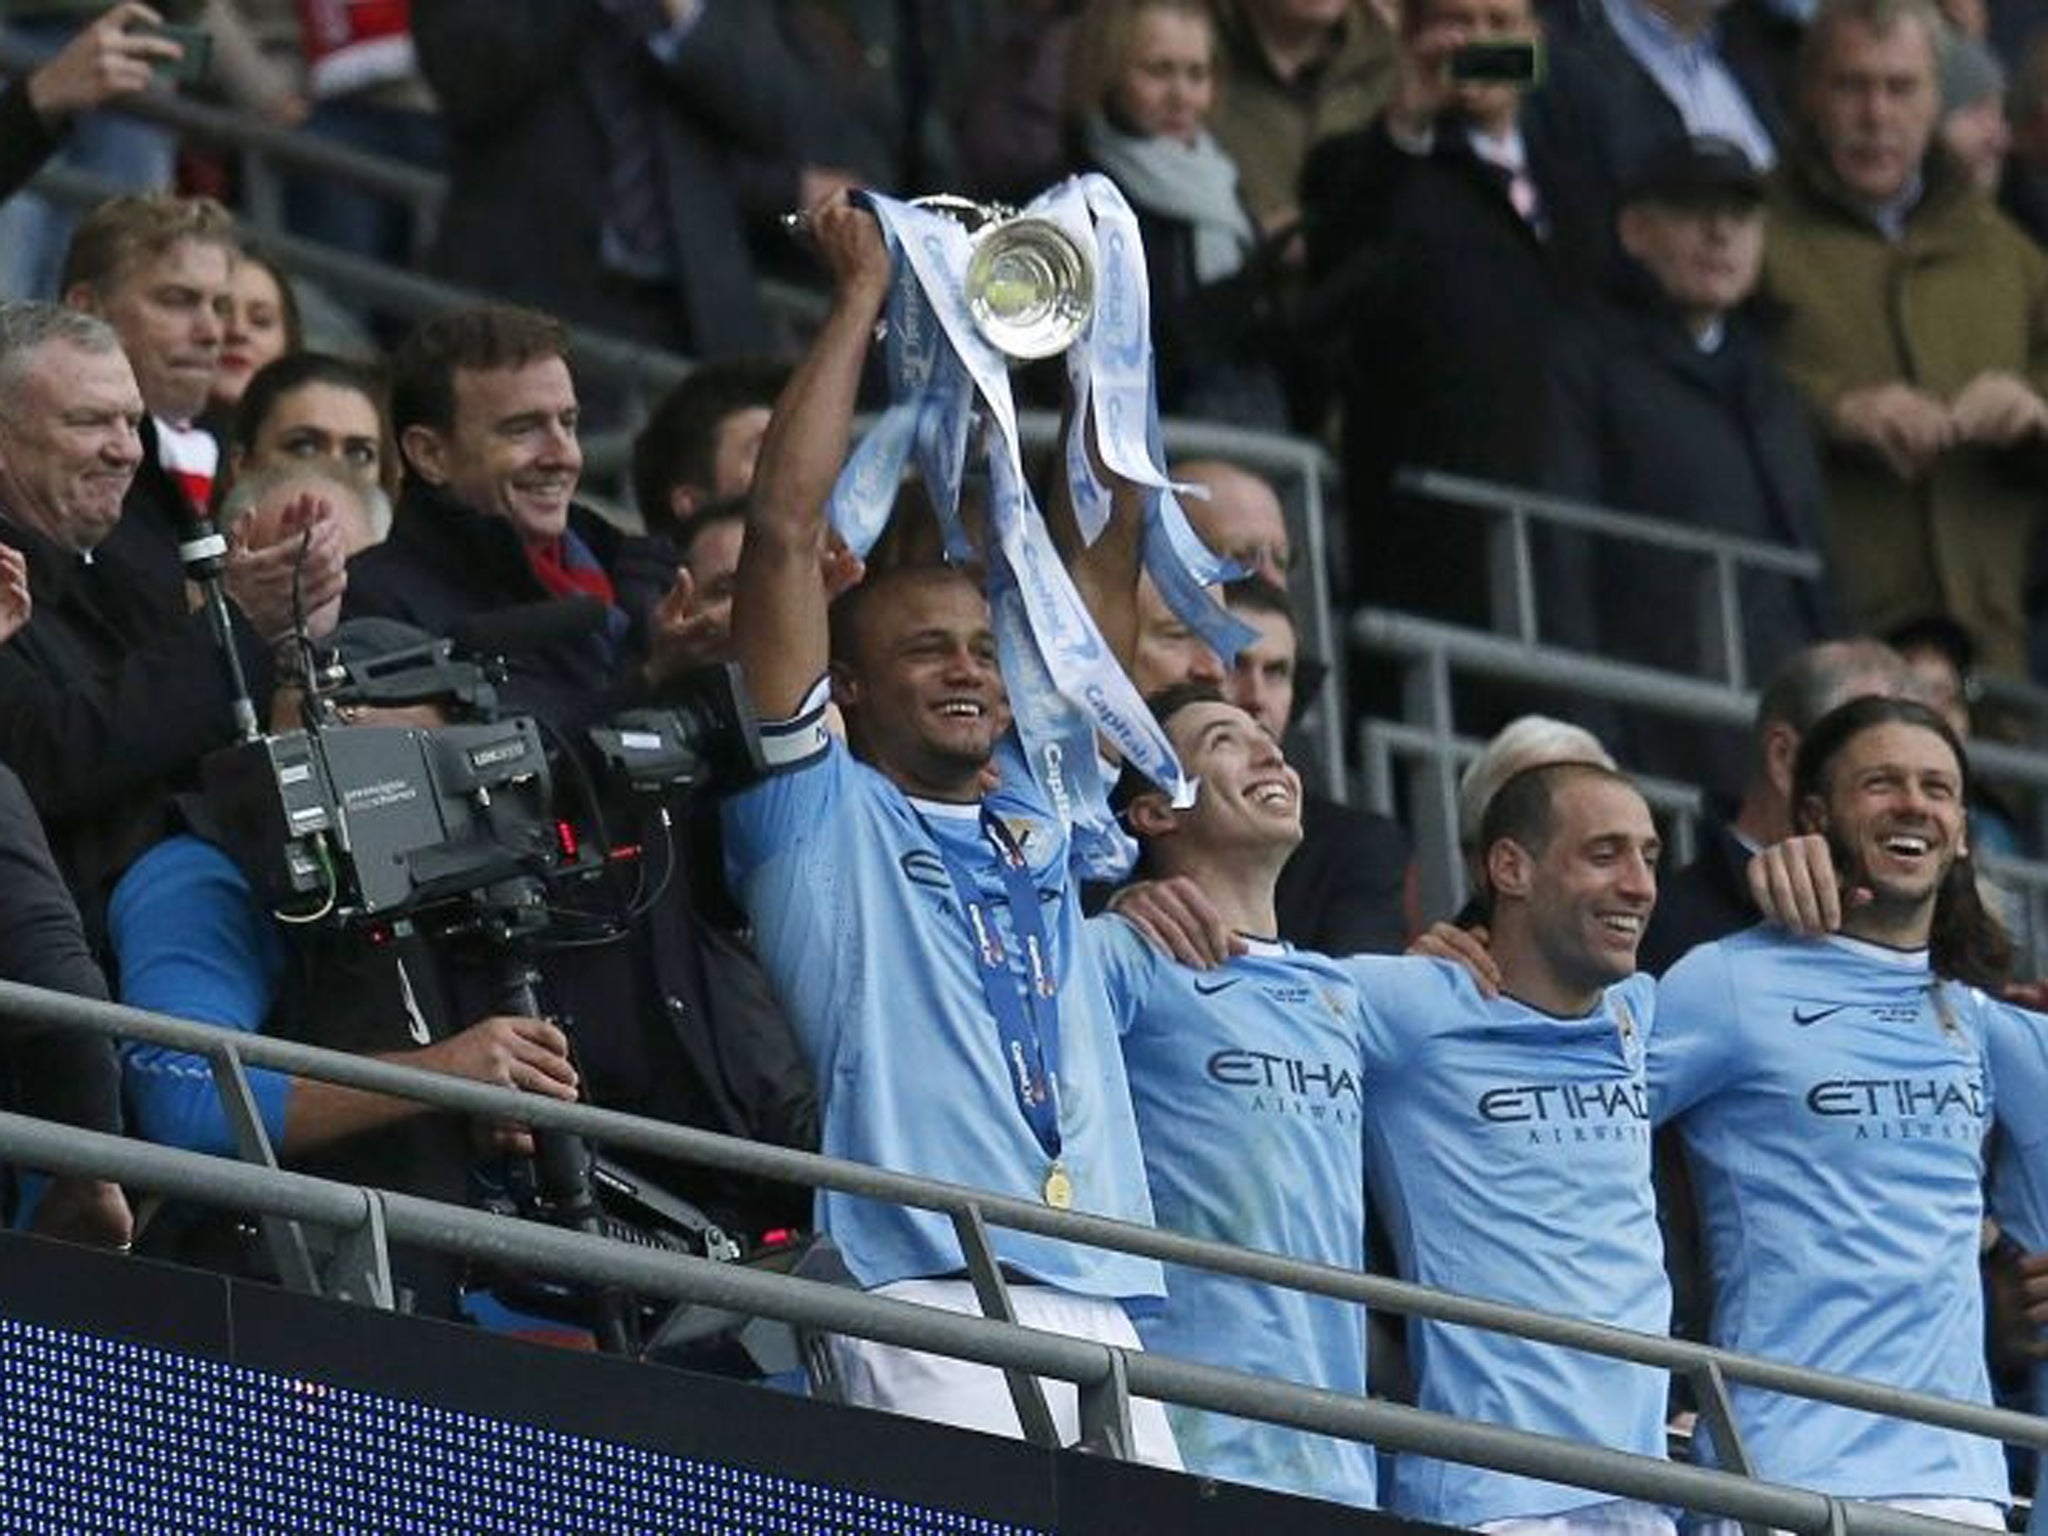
x=369, y=1219
x=1512, y=511
x=1430, y=653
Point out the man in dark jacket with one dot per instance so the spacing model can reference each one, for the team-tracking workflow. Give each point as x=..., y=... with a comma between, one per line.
x=108, y=700
x=605, y=157
x=670, y=1018
x=55, y=1074
x=159, y=269
x=1664, y=401
x=1434, y=265
x=486, y=416
x=1636, y=78
x=1915, y=325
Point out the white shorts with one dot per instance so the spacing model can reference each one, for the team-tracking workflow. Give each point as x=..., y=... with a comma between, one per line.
x=969, y=1395
x=1978, y=1512
x=1612, y=1517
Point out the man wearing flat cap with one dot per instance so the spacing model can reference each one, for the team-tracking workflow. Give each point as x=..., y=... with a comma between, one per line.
x=1916, y=325
x=1665, y=401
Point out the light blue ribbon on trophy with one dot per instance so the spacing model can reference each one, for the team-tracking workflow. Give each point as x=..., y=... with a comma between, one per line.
x=1059, y=739
x=1115, y=357
x=924, y=380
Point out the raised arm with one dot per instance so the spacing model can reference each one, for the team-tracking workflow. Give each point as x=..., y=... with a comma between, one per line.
x=778, y=613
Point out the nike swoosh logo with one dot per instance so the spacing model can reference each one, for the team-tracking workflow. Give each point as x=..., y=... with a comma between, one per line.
x=1212, y=988
x=1805, y=1016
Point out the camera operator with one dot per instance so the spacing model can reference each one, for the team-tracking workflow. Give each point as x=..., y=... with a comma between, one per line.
x=673, y=1018
x=190, y=937
x=106, y=702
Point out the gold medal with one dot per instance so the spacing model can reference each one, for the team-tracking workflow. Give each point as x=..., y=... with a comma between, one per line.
x=1059, y=1188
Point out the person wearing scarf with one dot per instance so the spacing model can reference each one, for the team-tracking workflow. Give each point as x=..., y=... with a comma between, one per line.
x=1141, y=83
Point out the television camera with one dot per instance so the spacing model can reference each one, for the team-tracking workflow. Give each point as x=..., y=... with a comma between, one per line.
x=453, y=828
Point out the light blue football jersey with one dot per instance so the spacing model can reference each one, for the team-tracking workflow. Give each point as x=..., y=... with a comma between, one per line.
x=1833, y=1104
x=1247, y=1081
x=2016, y=1045
x=1510, y=1152
x=858, y=926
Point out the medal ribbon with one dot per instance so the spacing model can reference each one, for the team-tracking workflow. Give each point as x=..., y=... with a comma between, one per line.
x=1027, y=1021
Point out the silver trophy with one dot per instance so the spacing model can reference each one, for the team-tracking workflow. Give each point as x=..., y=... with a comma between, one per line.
x=1029, y=285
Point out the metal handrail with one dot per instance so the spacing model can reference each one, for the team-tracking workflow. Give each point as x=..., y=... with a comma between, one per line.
x=577, y=1257
x=219, y=1180
x=1564, y=512
x=422, y=189
x=1511, y=564
x=1430, y=651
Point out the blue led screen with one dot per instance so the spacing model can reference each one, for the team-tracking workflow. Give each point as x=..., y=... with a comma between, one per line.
x=100, y=1435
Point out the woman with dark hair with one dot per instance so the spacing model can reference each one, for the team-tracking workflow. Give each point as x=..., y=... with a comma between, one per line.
x=309, y=406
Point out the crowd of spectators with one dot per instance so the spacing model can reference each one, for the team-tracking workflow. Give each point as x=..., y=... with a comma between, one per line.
x=1763, y=270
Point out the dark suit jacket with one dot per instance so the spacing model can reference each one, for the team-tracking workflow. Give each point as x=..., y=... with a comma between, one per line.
x=1707, y=900
x=1642, y=420
x=445, y=562
x=1598, y=102
x=58, y=1074
x=26, y=141
x=528, y=153
x=1440, y=299
x=107, y=703
x=1344, y=890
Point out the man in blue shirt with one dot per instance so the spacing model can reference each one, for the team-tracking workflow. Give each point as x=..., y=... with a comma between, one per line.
x=1833, y=1095
x=1507, y=1138
x=1508, y=1143
x=1248, y=1082
x=190, y=937
x=922, y=929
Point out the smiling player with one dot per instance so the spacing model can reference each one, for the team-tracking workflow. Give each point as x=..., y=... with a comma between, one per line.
x=1507, y=1137
x=1833, y=1097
